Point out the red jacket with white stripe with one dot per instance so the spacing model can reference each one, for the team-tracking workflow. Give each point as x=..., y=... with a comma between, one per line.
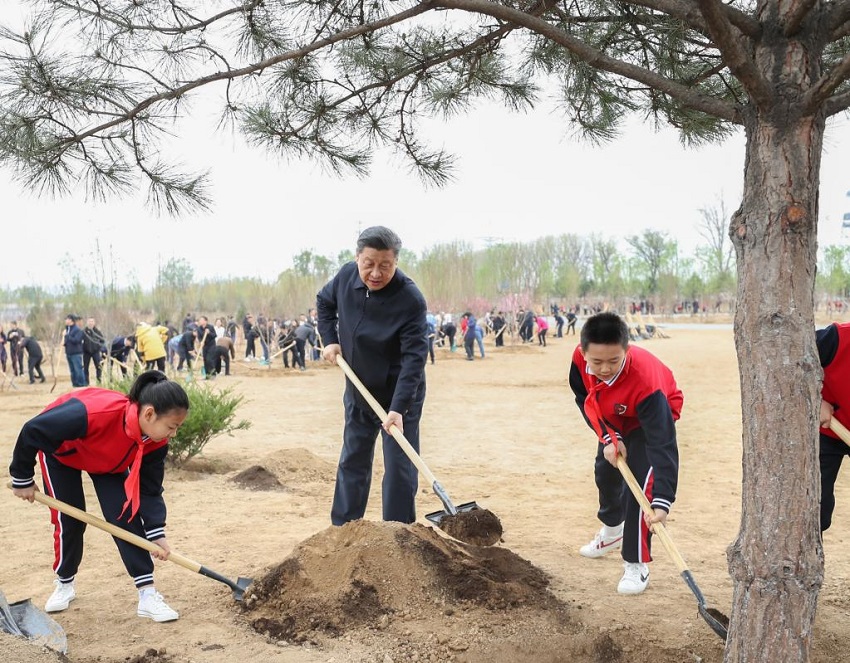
x=644, y=396
x=95, y=430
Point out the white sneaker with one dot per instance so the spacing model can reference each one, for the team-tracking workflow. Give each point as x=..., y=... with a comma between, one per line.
x=601, y=544
x=635, y=578
x=151, y=604
x=61, y=597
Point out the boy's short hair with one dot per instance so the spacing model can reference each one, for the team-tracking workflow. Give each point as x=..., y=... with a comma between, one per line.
x=604, y=329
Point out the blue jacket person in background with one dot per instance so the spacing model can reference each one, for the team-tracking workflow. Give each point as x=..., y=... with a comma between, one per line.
x=374, y=316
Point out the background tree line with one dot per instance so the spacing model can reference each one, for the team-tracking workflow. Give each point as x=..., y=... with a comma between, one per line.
x=566, y=269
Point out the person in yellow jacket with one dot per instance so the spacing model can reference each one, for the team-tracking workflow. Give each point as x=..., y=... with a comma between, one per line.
x=150, y=344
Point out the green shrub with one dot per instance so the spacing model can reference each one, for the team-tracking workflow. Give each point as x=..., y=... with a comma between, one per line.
x=212, y=412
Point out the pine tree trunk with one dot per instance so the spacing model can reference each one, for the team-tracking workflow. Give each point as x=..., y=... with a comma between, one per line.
x=777, y=560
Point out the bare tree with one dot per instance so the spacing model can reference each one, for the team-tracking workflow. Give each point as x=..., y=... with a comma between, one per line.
x=718, y=254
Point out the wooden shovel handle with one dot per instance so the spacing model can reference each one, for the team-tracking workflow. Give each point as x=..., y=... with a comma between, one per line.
x=657, y=528
x=114, y=530
x=840, y=430
x=382, y=415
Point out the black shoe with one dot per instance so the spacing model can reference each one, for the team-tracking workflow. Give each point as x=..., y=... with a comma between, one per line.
x=32, y=381
x=43, y=380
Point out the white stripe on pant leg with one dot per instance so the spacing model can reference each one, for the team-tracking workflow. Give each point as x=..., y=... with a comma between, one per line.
x=647, y=481
x=45, y=473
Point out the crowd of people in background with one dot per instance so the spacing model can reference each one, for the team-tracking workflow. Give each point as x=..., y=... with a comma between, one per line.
x=209, y=346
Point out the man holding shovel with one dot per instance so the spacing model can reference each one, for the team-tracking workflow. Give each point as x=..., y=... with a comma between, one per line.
x=631, y=401
x=374, y=316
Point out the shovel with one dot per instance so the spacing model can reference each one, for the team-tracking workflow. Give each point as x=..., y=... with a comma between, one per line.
x=437, y=516
x=712, y=617
x=840, y=430
x=238, y=587
x=23, y=619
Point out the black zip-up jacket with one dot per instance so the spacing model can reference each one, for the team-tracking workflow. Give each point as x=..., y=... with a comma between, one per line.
x=382, y=335
x=93, y=340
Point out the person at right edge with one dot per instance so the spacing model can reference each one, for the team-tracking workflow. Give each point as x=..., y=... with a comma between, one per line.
x=374, y=316
x=631, y=401
x=833, y=343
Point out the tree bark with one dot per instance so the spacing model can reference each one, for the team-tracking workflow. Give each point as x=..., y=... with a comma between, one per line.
x=776, y=562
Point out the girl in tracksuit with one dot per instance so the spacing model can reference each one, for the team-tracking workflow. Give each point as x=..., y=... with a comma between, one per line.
x=121, y=441
x=631, y=401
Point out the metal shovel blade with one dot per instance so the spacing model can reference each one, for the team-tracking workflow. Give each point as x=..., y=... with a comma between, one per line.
x=437, y=517
x=238, y=587
x=715, y=619
x=24, y=619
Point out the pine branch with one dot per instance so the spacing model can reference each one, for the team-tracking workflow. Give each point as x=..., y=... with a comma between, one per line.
x=728, y=40
x=597, y=59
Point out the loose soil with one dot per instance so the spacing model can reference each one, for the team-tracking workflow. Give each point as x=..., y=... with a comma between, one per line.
x=504, y=432
x=480, y=527
x=257, y=477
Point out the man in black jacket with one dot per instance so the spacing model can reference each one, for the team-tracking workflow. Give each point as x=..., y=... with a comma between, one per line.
x=374, y=316
x=94, y=347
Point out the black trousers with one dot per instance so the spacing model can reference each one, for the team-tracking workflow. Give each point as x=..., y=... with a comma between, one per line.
x=65, y=484
x=17, y=359
x=34, y=368
x=89, y=357
x=469, y=346
x=300, y=349
x=354, y=472
x=220, y=355
x=290, y=352
x=618, y=505
x=832, y=452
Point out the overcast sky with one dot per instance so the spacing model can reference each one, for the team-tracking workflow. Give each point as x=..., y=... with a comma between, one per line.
x=519, y=177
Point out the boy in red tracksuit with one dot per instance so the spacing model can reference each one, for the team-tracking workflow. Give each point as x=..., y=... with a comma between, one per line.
x=121, y=442
x=631, y=401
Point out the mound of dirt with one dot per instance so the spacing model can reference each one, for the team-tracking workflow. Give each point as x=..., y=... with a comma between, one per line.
x=257, y=477
x=365, y=573
x=408, y=593
x=299, y=464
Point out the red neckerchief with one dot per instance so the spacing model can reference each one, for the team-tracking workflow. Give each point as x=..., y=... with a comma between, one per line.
x=131, y=483
x=591, y=408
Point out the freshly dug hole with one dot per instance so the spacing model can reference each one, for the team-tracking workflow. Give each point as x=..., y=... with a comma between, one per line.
x=479, y=527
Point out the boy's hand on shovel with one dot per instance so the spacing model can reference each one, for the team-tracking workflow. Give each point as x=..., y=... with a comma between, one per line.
x=612, y=448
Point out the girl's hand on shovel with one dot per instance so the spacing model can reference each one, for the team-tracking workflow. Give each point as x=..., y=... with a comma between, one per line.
x=660, y=517
x=166, y=549
x=27, y=494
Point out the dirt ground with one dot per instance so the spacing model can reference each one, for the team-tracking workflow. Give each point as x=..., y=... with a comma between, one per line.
x=503, y=431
